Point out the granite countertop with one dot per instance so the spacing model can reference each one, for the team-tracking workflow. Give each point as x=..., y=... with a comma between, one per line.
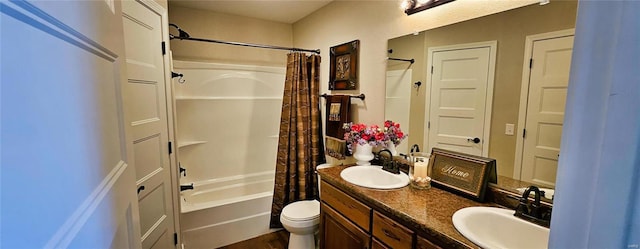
x=426, y=211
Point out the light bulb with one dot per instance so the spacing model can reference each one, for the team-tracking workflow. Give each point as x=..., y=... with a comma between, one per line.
x=405, y=4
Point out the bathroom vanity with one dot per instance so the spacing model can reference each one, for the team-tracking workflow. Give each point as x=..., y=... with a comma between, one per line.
x=357, y=217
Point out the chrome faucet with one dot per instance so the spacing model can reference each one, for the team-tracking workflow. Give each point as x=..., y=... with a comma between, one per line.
x=532, y=211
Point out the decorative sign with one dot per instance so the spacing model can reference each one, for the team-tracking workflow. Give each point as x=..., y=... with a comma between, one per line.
x=343, y=73
x=463, y=173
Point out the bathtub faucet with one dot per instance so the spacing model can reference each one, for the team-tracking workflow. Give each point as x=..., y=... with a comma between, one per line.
x=186, y=187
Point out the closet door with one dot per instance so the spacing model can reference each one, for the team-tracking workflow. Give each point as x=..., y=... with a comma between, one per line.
x=146, y=89
x=545, y=109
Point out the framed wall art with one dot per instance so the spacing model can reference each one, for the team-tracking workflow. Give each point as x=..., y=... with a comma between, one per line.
x=462, y=173
x=343, y=72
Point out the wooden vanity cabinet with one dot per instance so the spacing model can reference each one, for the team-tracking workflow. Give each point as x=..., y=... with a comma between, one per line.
x=346, y=223
x=338, y=232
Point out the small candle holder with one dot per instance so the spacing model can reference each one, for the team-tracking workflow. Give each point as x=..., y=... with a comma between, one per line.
x=419, y=172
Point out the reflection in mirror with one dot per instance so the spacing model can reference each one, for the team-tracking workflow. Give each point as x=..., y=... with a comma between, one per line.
x=516, y=33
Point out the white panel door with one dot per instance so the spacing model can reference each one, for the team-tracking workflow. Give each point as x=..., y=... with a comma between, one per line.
x=148, y=110
x=67, y=173
x=398, y=102
x=545, y=109
x=459, y=83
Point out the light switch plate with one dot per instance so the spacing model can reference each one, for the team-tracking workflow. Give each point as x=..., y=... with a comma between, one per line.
x=508, y=130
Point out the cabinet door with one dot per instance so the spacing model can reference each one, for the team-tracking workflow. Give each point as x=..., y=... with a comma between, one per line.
x=338, y=232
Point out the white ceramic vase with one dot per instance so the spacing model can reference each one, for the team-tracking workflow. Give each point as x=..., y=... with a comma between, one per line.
x=391, y=147
x=363, y=154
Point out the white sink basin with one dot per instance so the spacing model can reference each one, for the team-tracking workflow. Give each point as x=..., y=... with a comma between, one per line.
x=374, y=177
x=491, y=227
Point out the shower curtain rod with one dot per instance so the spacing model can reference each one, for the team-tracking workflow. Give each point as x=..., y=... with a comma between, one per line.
x=185, y=36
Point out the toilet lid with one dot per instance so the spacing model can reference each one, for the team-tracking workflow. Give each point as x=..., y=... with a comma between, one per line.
x=324, y=166
x=302, y=210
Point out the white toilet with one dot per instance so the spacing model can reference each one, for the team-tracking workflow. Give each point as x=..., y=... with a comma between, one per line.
x=301, y=219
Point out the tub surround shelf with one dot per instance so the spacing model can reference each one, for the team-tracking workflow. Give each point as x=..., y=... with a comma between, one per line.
x=188, y=143
x=426, y=212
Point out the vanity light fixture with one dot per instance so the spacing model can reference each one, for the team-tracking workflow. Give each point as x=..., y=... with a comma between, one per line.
x=414, y=6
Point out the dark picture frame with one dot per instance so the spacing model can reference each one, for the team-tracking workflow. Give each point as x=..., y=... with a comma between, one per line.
x=343, y=72
x=462, y=173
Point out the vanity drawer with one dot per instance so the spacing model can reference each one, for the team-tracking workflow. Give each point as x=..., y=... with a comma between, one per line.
x=354, y=210
x=391, y=233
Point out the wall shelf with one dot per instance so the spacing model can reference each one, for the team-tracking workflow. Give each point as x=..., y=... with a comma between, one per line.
x=188, y=143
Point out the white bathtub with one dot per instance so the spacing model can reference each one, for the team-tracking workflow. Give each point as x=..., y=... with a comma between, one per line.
x=224, y=211
x=228, y=118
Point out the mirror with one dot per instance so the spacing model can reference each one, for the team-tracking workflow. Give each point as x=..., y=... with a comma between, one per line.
x=409, y=91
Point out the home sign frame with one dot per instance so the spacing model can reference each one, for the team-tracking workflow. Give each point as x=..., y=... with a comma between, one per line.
x=462, y=173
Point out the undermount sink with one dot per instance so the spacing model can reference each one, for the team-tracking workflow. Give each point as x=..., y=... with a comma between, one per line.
x=372, y=176
x=491, y=227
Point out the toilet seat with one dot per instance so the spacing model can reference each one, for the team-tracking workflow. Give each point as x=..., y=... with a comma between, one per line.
x=301, y=210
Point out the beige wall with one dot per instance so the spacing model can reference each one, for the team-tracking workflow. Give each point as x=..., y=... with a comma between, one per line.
x=219, y=26
x=373, y=23
x=376, y=22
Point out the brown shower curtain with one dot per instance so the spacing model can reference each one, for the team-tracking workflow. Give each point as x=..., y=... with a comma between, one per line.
x=300, y=147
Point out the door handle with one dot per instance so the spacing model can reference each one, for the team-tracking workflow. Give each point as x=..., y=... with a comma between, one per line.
x=390, y=234
x=140, y=189
x=474, y=140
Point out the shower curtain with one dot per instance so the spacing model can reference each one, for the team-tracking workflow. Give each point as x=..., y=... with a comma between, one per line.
x=300, y=147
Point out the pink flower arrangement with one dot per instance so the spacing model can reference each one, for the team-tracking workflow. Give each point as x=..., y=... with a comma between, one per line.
x=393, y=133
x=361, y=134
x=372, y=135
